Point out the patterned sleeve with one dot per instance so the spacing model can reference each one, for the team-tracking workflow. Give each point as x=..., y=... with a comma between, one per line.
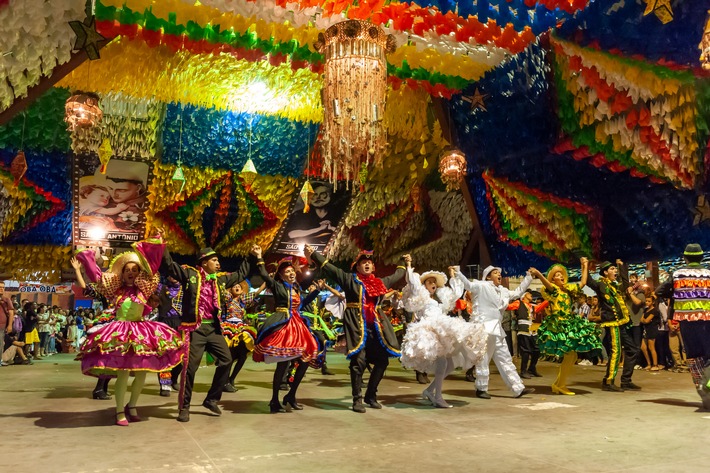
x=148, y=284
x=108, y=285
x=549, y=294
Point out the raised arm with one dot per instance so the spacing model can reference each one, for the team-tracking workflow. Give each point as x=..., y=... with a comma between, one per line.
x=168, y=267
x=310, y=297
x=392, y=279
x=584, y=262
x=548, y=285
x=244, y=269
x=268, y=280
x=329, y=269
x=473, y=286
x=524, y=285
x=623, y=274
x=77, y=271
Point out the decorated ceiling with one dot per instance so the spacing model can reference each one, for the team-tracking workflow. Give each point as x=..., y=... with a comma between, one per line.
x=584, y=124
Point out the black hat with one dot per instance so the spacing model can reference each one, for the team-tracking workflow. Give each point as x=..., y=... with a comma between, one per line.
x=604, y=266
x=693, y=249
x=205, y=253
x=364, y=254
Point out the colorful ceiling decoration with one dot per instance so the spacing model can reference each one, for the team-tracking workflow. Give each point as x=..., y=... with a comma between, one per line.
x=34, y=39
x=641, y=116
x=215, y=209
x=543, y=223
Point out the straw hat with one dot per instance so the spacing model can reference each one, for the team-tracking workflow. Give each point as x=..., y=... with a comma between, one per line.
x=557, y=268
x=437, y=275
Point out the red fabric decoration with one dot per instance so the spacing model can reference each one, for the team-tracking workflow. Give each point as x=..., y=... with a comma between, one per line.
x=373, y=285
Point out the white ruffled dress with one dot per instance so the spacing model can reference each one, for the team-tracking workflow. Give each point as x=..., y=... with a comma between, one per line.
x=434, y=334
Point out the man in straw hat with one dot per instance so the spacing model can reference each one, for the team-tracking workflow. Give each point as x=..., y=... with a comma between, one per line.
x=493, y=299
x=615, y=316
x=203, y=302
x=369, y=335
x=689, y=289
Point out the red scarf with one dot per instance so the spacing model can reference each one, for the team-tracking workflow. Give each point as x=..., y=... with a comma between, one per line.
x=374, y=287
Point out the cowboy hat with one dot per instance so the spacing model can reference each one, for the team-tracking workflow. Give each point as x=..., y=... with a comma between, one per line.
x=437, y=275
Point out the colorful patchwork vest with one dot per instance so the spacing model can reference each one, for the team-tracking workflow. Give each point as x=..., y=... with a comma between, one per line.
x=691, y=294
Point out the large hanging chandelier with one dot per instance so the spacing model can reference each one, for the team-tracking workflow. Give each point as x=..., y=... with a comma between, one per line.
x=82, y=110
x=354, y=93
x=704, y=46
x=452, y=168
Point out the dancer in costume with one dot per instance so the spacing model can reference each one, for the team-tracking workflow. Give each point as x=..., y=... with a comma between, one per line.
x=285, y=335
x=101, y=389
x=527, y=338
x=202, y=303
x=369, y=335
x=129, y=344
x=169, y=310
x=615, y=316
x=239, y=335
x=491, y=299
x=563, y=333
x=689, y=289
x=435, y=342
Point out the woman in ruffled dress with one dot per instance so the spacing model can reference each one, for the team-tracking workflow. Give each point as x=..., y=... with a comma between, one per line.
x=285, y=335
x=563, y=333
x=129, y=344
x=239, y=334
x=436, y=342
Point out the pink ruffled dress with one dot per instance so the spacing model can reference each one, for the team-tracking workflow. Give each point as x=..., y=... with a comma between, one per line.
x=129, y=342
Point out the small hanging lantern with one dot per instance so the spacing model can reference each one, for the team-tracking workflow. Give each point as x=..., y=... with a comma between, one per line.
x=452, y=167
x=18, y=167
x=179, y=176
x=82, y=110
x=306, y=193
x=248, y=174
x=105, y=153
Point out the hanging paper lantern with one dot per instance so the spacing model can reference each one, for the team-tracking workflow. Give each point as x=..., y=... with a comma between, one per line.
x=82, y=110
x=179, y=176
x=248, y=174
x=105, y=153
x=18, y=167
x=705, y=46
x=354, y=93
x=452, y=167
x=306, y=193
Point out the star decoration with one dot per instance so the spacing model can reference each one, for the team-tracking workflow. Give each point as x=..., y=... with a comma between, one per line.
x=476, y=100
x=702, y=211
x=662, y=9
x=87, y=38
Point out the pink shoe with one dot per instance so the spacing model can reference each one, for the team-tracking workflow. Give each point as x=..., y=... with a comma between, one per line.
x=121, y=422
x=131, y=418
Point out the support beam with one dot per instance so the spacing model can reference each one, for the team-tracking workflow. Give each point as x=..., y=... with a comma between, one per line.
x=46, y=83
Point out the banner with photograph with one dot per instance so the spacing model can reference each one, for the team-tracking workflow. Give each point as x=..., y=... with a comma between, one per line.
x=109, y=208
x=316, y=227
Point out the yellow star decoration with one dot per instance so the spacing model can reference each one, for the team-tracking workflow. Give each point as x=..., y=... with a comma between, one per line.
x=87, y=38
x=702, y=211
x=662, y=9
x=476, y=100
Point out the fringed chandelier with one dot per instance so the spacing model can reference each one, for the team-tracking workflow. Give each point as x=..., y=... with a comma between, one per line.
x=354, y=93
x=82, y=110
x=452, y=168
x=705, y=46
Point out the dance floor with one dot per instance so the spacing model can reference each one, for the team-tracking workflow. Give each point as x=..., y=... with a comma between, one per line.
x=51, y=424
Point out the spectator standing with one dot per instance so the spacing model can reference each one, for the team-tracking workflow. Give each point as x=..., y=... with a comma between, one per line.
x=7, y=317
x=650, y=322
x=30, y=329
x=662, y=347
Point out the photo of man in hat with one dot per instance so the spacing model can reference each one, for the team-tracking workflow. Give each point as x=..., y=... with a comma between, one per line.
x=690, y=301
x=203, y=302
x=127, y=182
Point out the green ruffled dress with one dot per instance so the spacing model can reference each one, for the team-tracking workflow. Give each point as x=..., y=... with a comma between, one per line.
x=562, y=331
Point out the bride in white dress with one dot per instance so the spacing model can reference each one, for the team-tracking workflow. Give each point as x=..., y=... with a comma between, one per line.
x=434, y=341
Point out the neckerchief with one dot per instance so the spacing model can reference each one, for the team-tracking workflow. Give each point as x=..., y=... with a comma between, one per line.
x=373, y=285
x=211, y=277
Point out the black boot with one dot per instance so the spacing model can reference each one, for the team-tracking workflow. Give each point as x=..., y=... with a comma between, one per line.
x=358, y=405
x=325, y=371
x=471, y=375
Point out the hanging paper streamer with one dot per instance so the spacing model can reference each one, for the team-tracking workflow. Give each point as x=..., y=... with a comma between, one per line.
x=18, y=168
x=306, y=193
x=105, y=153
x=248, y=174
x=179, y=175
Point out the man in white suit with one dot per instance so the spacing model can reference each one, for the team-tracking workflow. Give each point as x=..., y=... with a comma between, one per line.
x=490, y=300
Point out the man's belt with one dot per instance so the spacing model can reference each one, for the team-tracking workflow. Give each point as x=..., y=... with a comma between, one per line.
x=352, y=305
x=281, y=309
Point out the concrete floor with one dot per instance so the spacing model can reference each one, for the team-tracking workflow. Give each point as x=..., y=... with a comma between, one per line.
x=50, y=424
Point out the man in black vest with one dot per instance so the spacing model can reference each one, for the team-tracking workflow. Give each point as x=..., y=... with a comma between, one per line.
x=201, y=307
